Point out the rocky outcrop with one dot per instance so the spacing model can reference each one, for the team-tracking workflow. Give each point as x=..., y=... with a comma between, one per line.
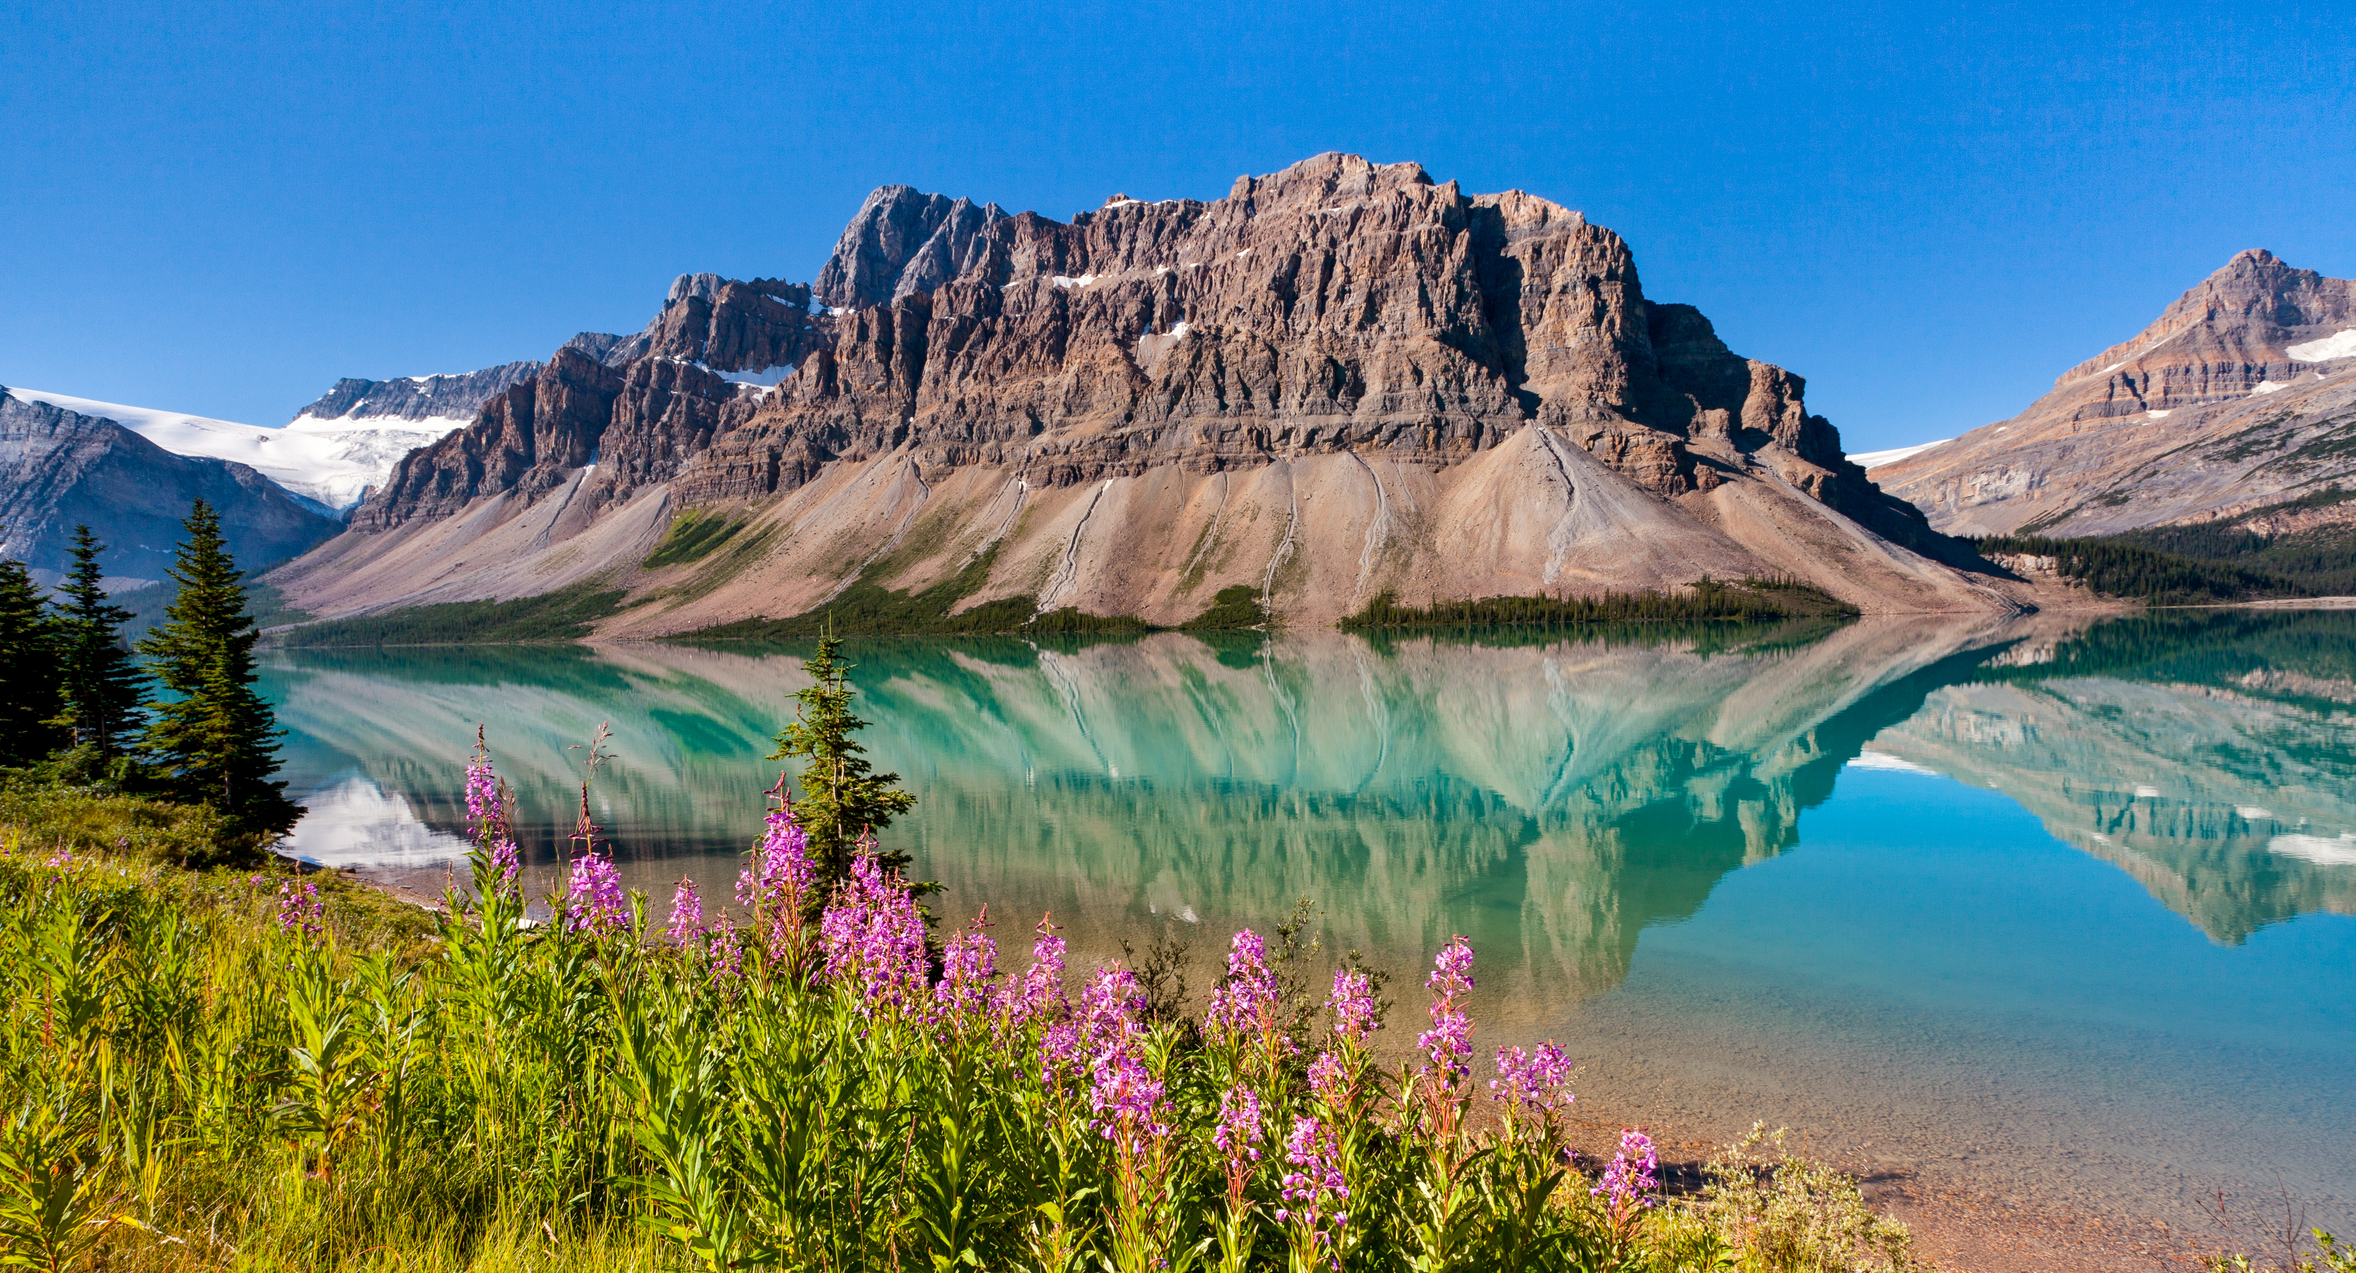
x=59, y=468
x=1341, y=325
x=415, y=398
x=903, y=241
x=526, y=442
x=2241, y=394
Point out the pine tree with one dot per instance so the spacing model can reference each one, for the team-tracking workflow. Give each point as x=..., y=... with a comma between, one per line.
x=841, y=798
x=29, y=651
x=101, y=687
x=215, y=740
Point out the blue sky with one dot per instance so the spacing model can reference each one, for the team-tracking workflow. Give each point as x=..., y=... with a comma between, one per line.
x=1928, y=211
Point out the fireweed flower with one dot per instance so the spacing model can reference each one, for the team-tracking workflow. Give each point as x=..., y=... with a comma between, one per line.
x=1314, y=1192
x=1039, y=995
x=1353, y=1007
x=1539, y=1080
x=1244, y=1006
x=780, y=875
x=1126, y=1099
x=687, y=913
x=593, y=900
x=1329, y=1080
x=507, y=862
x=1109, y=1008
x=727, y=952
x=873, y=938
x=1237, y=1133
x=1628, y=1183
x=299, y=909
x=1449, y=1041
x=968, y=965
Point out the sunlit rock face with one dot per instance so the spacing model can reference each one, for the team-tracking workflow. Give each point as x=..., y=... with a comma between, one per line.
x=2242, y=394
x=1341, y=379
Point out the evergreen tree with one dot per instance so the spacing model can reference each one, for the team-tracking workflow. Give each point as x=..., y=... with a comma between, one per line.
x=29, y=652
x=100, y=685
x=841, y=798
x=215, y=741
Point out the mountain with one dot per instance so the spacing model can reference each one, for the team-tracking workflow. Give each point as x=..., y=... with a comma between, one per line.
x=1340, y=380
x=335, y=449
x=60, y=467
x=2238, y=401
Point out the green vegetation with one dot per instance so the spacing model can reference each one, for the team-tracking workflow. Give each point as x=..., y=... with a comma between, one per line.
x=843, y=799
x=1235, y=607
x=100, y=685
x=77, y=711
x=214, y=741
x=566, y=614
x=866, y=608
x=2320, y=560
x=1752, y=600
x=283, y=1072
x=2117, y=567
x=694, y=535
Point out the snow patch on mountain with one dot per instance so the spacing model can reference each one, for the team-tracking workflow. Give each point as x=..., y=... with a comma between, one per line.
x=330, y=463
x=1875, y=459
x=2339, y=345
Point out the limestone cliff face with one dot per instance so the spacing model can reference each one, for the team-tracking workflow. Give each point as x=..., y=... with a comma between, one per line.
x=2240, y=395
x=1333, y=374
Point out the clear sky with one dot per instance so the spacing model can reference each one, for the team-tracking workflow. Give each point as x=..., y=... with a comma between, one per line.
x=1927, y=210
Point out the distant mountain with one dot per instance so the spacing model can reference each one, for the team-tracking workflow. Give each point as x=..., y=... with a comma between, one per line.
x=1342, y=379
x=60, y=467
x=2238, y=405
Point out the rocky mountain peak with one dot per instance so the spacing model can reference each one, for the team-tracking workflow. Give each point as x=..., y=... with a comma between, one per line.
x=901, y=241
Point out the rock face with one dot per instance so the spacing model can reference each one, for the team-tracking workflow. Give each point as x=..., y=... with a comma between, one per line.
x=59, y=468
x=2241, y=395
x=416, y=399
x=1340, y=379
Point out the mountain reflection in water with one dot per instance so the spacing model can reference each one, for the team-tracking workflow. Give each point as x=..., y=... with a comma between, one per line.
x=1549, y=798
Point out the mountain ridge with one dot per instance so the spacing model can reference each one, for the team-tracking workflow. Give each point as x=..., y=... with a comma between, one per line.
x=2241, y=395
x=1341, y=378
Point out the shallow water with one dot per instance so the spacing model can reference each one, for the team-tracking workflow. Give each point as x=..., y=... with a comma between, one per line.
x=2062, y=911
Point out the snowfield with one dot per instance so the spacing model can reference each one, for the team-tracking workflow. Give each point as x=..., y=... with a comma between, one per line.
x=1875, y=459
x=332, y=463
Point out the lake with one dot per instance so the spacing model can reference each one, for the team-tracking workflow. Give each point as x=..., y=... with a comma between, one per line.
x=2059, y=908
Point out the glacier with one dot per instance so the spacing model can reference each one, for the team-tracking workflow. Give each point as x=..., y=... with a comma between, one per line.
x=330, y=463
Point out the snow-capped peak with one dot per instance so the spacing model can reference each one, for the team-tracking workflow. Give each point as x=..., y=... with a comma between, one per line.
x=331, y=463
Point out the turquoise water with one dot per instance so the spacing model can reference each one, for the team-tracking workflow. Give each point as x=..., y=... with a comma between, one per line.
x=2063, y=911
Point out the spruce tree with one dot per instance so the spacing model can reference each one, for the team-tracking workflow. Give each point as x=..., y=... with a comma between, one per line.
x=215, y=740
x=841, y=797
x=29, y=652
x=100, y=686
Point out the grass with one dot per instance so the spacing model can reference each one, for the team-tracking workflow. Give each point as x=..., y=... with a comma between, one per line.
x=1750, y=600
x=694, y=535
x=208, y=1069
x=566, y=614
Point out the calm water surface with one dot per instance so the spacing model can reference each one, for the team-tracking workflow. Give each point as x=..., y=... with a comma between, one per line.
x=2059, y=910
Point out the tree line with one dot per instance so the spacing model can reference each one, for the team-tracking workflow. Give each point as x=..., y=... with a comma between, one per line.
x=177, y=716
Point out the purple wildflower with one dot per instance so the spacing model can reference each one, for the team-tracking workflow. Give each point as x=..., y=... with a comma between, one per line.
x=873, y=938
x=1245, y=1004
x=1628, y=1182
x=1040, y=993
x=1237, y=1133
x=780, y=875
x=299, y=909
x=1352, y=1001
x=1329, y=1079
x=507, y=861
x=968, y=964
x=1059, y=1051
x=1449, y=1041
x=1314, y=1190
x=1108, y=1009
x=687, y=913
x=62, y=858
x=1539, y=1080
x=594, y=901
x=726, y=950
x=1126, y=1098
